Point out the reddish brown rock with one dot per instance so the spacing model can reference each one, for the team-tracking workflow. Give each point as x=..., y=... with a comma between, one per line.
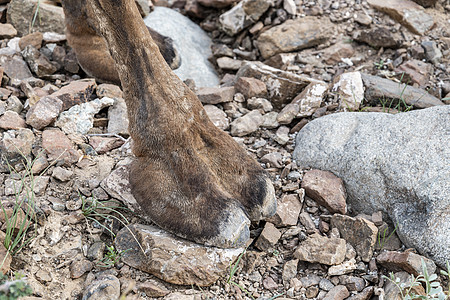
x=11, y=120
x=44, y=112
x=215, y=95
x=5, y=258
x=251, y=87
x=153, y=289
x=7, y=31
x=294, y=35
x=282, y=86
x=426, y=3
x=415, y=71
x=59, y=147
x=408, y=13
x=288, y=209
x=359, y=232
x=406, y=261
x=109, y=90
x=320, y=249
x=76, y=92
x=103, y=144
x=34, y=39
x=268, y=238
x=337, y=52
x=326, y=189
x=79, y=267
x=363, y=295
x=339, y=292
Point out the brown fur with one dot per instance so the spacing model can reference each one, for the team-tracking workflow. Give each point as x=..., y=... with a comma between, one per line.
x=189, y=177
x=90, y=47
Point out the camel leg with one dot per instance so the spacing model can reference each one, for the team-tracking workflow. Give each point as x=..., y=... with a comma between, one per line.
x=190, y=177
x=90, y=47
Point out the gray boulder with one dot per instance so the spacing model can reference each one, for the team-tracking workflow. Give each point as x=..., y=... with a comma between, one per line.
x=399, y=164
x=192, y=43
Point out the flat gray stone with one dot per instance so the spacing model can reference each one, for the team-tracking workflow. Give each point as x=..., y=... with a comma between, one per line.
x=192, y=43
x=399, y=164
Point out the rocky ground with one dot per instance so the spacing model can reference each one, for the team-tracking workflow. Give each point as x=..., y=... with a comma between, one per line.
x=280, y=65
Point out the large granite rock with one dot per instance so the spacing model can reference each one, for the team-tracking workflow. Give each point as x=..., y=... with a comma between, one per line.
x=191, y=42
x=399, y=164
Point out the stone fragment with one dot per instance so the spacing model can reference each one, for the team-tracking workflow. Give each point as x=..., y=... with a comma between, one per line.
x=7, y=31
x=38, y=62
x=53, y=37
x=289, y=270
x=259, y=103
x=337, y=52
x=76, y=92
x=5, y=258
x=415, y=71
x=14, y=146
x=282, y=135
x=34, y=39
x=228, y=63
x=310, y=280
x=152, y=288
x=268, y=238
x=216, y=3
x=102, y=144
x=290, y=7
x=339, y=292
x=174, y=260
x=325, y=284
x=15, y=67
x=217, y=116
x=192, y=43
x=432, y=52
x=14, y=104
x=44, y=112
x=288, y=113
x=379, y=88
x=295, y=34
x=43, y=276
x=406, y=261
x=59, y=147
x=281, y=60
x=269, y=283
x=109, y=90
x=288, y=209
x=103, y=287
x=79, y=267
x=385, y=166
x=320, y=249
x=11, y=120
x=61, y=174
x=391, y=290
x=378, y=37
x=306, y=220
x=215, y=95
x=270, y=120
x=363, y=295
x=426, y=3
x=352, y=283
x=95, y=251
x=251, y=87
x=80, y=118
x=350, y=90
x=242, y=15
x=21, y=12
x=311, y=292
x=408, y=13
x=282, y=86
x=275, y=159
x=246, y=124
x=359, y=232
x=118, y=118
x=326, y=189
x=310, y=99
